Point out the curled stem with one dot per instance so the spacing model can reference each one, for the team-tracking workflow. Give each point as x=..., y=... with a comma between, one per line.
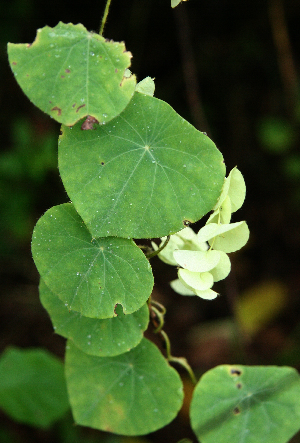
x=157, y=313
x=154, y=253
x=179, y=360
x=104, y=18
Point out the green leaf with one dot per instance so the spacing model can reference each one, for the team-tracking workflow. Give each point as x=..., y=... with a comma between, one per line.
x=197, y=261
x=32, y=387
x=181, y=288
x=89, y=275
x=196, y=280
x=225, y=237
x=145, y=173
x=237, y=189
x=131, y=394
x=106, y=337
x=146, y=86
x=175, y=3
x=222, y=214
x=246, y=404
x=70, y=73
x=223, y=267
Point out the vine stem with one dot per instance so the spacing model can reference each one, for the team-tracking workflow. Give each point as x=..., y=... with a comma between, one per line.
x=154, y=253
x=179, y=360
x=104, y=18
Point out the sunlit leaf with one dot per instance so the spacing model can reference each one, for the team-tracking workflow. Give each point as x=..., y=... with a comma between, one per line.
x=196, y=280
x=197, y=261
x=89, y=275
x=108, y=337
x=237, y=189
x=246, y=404
x=222, y=269
x=207, y=294
x=70, y=73
x=181, y=288
x=131, y=394
x=146, y=86
x=222, y=214
x=145, y=173
x=32, y=386
x=175, y=3
x=225, y=237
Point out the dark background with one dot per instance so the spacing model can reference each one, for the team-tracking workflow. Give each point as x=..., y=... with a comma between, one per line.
x=230, y=68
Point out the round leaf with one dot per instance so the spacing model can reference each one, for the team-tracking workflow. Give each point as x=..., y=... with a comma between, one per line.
x=197, y=261
x=246, y=404
x=223, y=267
x=146, y=173
x=237, y=189
x=89, y=275
x=106, y=337
x=146, y=86
x=180, y=288
x=131, y=394
x=196, y=280
x=70, y=73
x=231, y=240
x=32, y=388
x=207, y=294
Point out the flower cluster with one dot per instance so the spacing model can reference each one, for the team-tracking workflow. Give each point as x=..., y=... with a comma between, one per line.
x=203, y=257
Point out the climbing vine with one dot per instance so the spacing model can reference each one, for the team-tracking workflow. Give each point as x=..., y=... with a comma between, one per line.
x=134, y=169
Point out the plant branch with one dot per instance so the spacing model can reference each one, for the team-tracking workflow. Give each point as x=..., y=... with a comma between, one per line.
x=104, y=18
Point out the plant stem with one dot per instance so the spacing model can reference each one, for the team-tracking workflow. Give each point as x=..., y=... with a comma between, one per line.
x=157, y=312
x=154, y=253
x=180, y=360
x=104, y=18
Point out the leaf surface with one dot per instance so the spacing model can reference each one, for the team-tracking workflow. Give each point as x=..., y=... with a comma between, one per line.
x=89, y=275
x=70, y=73
x=32, y=388
x=131, y=394
x=246, y=404
x=107, y=337
x=145, y=173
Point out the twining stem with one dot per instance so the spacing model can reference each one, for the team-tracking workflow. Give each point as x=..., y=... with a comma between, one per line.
x=179, y=360
x=154, y=253
x=104, y=18
x=157, y=312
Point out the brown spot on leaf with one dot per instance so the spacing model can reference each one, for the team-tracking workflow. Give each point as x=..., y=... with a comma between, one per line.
x=28, y=45
x=62, y=76
x=236, y=411
x=88, y=123
x=116, y=70
x=186, y=222
x=81, y=106
x=14, y=63
x=235, y=371
x=67, y=71
x=73, y=106
x=239, y=385
x=56, y=108
x=102, y=163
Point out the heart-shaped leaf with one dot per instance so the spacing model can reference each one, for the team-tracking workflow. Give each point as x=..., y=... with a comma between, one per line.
x=131, y=394
x=246, y=404
x=144, y=174
x=107, y=337
x=89, y=275
x=70, y=73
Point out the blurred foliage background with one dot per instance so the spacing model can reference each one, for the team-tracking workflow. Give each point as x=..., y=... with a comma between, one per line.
x=232, y=69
